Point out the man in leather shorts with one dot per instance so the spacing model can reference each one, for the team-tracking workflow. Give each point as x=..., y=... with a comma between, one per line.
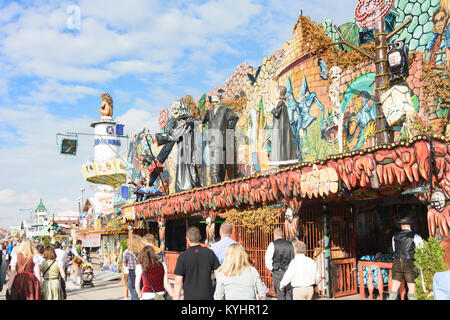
x=404, y=243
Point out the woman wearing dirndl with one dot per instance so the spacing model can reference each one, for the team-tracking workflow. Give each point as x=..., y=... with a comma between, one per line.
x=52, y=270
x=25, y=272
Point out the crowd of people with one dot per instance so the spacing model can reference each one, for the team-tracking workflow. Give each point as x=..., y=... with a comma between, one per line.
x=31, y=271
x=222, y=272
x=225, y=271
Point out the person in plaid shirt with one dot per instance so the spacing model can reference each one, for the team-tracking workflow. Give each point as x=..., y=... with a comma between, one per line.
x=220, y=247
x=130, y=256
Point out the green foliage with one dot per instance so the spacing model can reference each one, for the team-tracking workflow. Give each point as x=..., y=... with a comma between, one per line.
x=430, y=260
x=46, y=241
x=122, y=247
x=350, y=31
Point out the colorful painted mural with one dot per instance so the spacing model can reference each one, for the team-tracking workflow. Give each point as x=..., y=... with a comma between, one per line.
x=331, y=93
x=359, y=111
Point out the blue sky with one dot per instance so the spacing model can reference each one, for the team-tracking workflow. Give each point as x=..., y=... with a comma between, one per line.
x=57, y=57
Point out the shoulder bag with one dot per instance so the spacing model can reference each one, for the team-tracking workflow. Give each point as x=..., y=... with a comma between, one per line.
x=60, y=279
x=157, y=296
x=43, y=273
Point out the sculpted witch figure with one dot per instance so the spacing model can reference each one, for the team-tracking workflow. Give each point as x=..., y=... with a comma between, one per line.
x=283, y=151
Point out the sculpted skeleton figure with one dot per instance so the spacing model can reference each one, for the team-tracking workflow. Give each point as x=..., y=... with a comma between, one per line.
x=338, y=117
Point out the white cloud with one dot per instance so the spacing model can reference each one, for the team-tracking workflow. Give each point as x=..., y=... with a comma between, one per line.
x=148, y=38
x=31, y=164
x=138, y=66
x=135, y=119
x=7, y=196
x=53, y=91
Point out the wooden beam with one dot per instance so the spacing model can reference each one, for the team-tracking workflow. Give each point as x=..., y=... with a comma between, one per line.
x=343, y=41
x=396, y=30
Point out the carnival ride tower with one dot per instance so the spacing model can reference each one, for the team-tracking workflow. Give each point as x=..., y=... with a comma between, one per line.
x=107, y=170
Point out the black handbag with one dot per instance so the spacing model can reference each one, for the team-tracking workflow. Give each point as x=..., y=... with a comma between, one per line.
x=63, y=286
x=13, y=294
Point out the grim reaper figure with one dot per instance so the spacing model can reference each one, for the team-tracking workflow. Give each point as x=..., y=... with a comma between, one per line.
x=181, y=131
x=283, y=140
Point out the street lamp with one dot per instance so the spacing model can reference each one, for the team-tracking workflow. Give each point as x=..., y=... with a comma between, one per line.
x=82, y=190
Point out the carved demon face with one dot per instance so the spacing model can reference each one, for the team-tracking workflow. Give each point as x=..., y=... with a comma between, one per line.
x=289, y=214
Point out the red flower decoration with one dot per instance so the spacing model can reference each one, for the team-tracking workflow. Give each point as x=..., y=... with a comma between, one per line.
x=163, y=118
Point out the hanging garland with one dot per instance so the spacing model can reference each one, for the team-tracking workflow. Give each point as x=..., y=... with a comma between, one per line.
x=253, y=218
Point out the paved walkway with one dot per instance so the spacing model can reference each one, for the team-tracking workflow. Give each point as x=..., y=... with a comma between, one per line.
x=109, y=286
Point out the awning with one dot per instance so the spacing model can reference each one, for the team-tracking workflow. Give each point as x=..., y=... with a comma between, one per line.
x=371, y=172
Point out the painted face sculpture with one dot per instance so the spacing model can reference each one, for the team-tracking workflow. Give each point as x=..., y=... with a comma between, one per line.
x=178, y=108
x=216, y=100
x=289, y=214
x=438, y=200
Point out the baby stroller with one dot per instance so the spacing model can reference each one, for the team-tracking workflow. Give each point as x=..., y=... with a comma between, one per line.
x=87, y=275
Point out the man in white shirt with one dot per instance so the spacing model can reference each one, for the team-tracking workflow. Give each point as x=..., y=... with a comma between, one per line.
x=60, y=255
x=279, y=254
x=302, y=274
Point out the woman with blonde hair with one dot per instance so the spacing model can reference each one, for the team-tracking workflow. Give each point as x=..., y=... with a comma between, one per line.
x=135, y=245
x=25, y=272
x=237, y=278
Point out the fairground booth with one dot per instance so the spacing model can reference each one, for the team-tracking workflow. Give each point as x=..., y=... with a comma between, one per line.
x=334, y=138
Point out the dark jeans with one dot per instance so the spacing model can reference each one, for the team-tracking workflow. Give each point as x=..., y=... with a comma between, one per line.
x=286, y=294
x=131, y=282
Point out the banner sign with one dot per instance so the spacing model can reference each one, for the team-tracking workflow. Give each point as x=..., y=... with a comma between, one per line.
x=90, y=240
